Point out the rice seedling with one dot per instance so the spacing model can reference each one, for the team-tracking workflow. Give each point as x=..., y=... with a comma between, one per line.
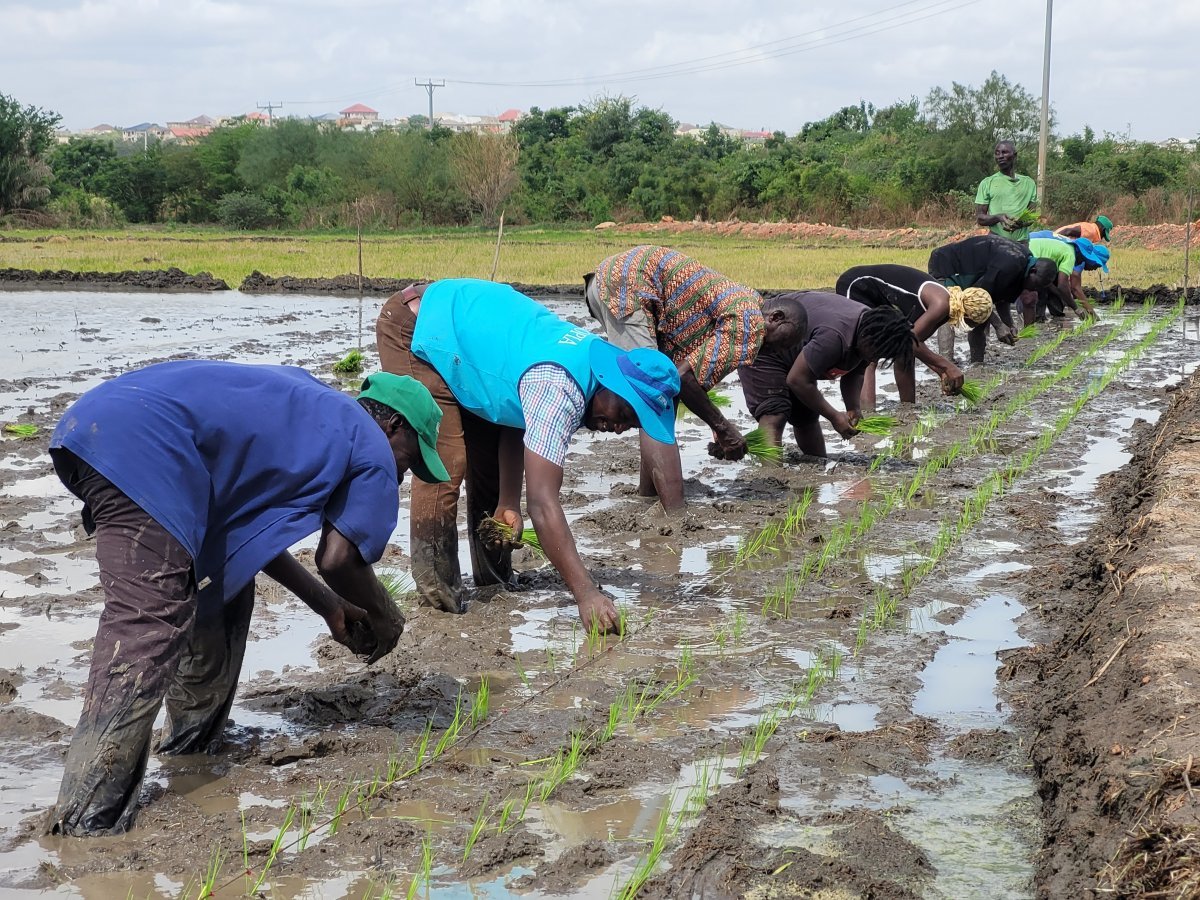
x=480, y=703
x=477, y=827
x=1119, y=303
x=208, y=887
x=21, y=430
x=422, y=878
x=877, y=425
x=971, y=391
x=450, y=735
x=276, y=846
x=715, y=397
x=493, y=531
x=761, y=448
x=649, y=862
x=350, y=364
x=1028, y=218
x=1028, y=333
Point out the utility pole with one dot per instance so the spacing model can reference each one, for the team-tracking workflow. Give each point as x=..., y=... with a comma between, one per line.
x=270, y=108
x=1044, y=138
x=429, y=84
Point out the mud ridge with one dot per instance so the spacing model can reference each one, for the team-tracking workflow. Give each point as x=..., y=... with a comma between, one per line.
x=1111, y=698
x=171, y=279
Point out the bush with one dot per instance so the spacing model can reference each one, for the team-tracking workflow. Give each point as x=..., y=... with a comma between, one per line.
x=75, y=208
x=245, y=211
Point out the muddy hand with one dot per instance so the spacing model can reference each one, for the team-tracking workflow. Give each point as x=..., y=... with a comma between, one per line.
x=512, y=518
x=952, y=380
x=843, y=424
x=598, y=608
x=387, y=630
x=715, y=451
x=1006, y=335
x=731, y=442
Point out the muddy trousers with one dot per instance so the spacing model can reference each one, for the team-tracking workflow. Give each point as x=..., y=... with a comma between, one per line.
x=470, y=449
x=152, y=644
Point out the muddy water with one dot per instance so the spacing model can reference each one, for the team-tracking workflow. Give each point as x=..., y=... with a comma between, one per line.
x=955, y=793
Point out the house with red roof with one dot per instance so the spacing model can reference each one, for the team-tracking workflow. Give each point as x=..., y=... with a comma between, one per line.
x=358, y=114
x=507, y=119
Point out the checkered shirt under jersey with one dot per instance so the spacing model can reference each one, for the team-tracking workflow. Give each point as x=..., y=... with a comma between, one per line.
x=553, y=406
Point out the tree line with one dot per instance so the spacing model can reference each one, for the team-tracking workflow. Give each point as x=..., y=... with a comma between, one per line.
x=913, y=162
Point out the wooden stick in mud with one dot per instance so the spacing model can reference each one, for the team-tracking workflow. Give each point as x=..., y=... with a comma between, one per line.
x=358, y=210
x=496, y=257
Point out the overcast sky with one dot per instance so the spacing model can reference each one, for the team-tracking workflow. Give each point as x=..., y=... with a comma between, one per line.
x=771, y=64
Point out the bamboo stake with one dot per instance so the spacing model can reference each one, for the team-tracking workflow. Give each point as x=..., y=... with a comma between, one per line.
x=358, y=209
x=499, y=237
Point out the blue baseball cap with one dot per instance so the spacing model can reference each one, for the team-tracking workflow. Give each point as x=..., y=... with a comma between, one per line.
x=645, y=379
x=1093, y=253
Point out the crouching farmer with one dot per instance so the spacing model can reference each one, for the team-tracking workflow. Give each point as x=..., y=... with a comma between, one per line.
x=514, y=382
x=195, y=476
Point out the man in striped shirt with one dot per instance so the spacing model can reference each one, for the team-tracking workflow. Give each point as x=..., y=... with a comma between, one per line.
x=514, y=383
x=652, y=296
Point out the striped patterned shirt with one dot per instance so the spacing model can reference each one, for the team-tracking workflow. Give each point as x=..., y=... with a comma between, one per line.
x=698, y=315
x=554, y=407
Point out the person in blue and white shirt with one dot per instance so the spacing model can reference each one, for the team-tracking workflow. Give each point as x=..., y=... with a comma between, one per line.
x=514, y=382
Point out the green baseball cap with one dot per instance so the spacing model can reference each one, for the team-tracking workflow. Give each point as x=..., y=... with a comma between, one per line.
x=411, y=399
x=1105, y=224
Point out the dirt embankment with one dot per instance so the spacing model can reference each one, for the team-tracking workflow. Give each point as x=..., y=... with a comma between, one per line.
x=1112, y=701
x=1151, y=237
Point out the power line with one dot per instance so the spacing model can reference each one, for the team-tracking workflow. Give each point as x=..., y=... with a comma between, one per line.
x=270, y=108
x=840, y=32
x=747, y=55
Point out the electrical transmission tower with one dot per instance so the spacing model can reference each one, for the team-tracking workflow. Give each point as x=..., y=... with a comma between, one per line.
x=270, y=108
x=430, y=85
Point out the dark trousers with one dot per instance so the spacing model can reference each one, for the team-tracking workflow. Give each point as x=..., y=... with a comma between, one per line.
x=470, y=449
x=152, y=643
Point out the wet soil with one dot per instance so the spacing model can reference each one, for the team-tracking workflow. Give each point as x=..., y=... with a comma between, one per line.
x=176, y=280
x=1111, y=700
x=904, y=777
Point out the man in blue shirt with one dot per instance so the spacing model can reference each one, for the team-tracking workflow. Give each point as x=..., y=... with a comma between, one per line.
x=195, y=476
x=514, y=382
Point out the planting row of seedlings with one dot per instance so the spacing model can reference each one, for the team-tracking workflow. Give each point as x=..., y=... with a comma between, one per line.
x=886, y=601
x=842, y=536
x=635, y=703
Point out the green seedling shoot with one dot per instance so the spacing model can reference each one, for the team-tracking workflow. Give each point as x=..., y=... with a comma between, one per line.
x=761, y=448
x=21, y=431
x=350, y=364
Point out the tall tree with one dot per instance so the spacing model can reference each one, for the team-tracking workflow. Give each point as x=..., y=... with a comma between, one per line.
x=485, y=169
x=26, y=133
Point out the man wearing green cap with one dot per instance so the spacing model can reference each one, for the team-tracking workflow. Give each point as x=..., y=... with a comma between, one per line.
x=195, y=476
x=1096, y=232
x=514, y=382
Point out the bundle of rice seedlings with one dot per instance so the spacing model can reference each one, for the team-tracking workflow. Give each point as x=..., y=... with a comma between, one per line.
x=878, y=425
x=971, y=390
x=350, y=364
x=718, y=400
x=21, y=431
x=1028, y=219
x=1026, y=333
x=493, y=531
x=759, y=447
x=530, y=539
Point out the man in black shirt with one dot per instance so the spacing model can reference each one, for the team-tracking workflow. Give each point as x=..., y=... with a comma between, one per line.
x=1001, y=267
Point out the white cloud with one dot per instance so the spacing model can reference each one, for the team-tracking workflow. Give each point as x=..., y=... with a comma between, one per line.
x=134, y=60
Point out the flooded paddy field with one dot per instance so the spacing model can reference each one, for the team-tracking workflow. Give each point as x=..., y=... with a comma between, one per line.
x=806, y=701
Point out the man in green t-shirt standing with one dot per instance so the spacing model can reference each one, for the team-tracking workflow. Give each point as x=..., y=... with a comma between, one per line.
x=1003, y=197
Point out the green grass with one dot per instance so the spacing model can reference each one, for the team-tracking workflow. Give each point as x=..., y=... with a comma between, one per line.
x=529, y=254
